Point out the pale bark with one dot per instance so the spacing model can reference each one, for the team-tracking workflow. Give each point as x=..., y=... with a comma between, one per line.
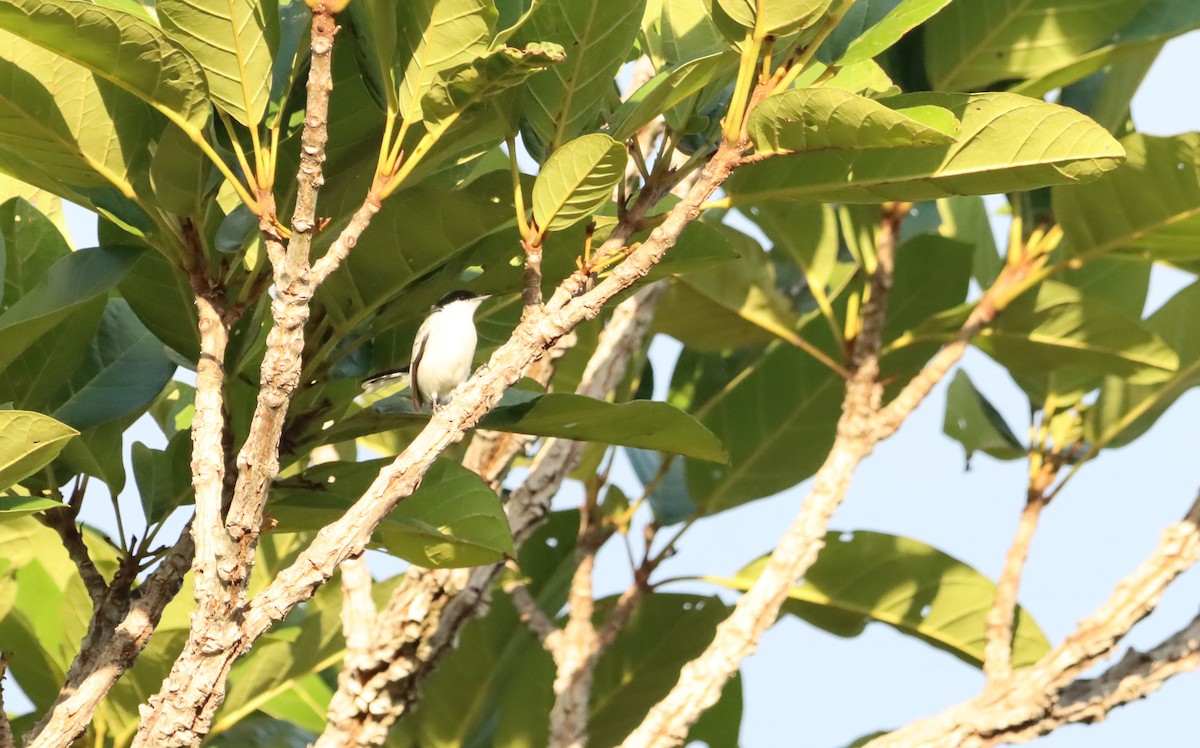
x=1042, y=697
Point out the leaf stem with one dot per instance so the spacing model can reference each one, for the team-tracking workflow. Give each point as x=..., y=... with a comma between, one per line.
x=747, y=70
x=518, y=193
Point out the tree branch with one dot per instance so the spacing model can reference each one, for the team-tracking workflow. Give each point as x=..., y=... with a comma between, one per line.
x=575, y=650
x=532, y=615
x=427, y=612
x=701, y=680
x=1031, y=700
x=998, y=631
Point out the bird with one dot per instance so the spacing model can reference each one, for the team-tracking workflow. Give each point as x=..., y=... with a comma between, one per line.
x=442, y=352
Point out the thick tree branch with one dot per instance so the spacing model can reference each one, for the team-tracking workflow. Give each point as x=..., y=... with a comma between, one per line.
x=532, y=615
x=1031, y=701
x=94, y=672
x=62, y=521
x=575, y=650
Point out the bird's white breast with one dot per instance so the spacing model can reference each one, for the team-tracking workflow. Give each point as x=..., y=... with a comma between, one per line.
x=449, y=350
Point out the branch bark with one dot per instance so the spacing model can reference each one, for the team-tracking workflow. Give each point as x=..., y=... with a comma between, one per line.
x=1038, y=699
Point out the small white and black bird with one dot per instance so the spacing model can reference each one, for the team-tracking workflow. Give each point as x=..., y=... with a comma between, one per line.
x=442, y=352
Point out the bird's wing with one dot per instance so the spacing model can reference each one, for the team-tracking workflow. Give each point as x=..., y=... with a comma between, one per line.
x=414, y=367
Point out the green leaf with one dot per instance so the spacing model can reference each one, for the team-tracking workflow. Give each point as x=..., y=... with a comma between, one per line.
x=773, y=443
x=665, y=90
x=806, y=232
x=730, y=305
x=974, y=422
x=975, y=42
x=1150, y=206
x=124, y=49
x=562, y=102
x=901, y=19
x=70, y=283
x=99, y=452
x=812, y=119
x=230, y=41
x=68, y=131
x=1057, y=326
x=28, y=442
x=914, y=588
x=125, y=368
x=639, y=423
x=453, y=520
x=931, y=275
x=1007, y=143
x=577, y=179
x=164, y=477
x=179, y=174
x=689, y=31
x=966, y=219
x=1133, y=47
x=48, y=204
x=162, y=299
x=775, y=17
x=665, y=632
x=458, y=89
x=12, y=507
x=31, y=244
x=669, y=498
x=1125, y=411
x=430, y=36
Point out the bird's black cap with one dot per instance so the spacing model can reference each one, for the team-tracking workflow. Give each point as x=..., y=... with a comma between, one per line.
x=459, y=295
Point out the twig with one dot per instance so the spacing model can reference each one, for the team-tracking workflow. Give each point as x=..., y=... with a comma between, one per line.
x=1024, y=705
x=997, y=651
x=532, y=615
x=62, y=521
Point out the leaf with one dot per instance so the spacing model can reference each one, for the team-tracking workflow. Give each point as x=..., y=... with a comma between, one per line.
x=179, y=174
x=966, y=219
x=812, y=119
x=806, y=232
x=1057, y=326
x=730, y=305
x=453, y=520
x=576, y=180
x=48, y=204
x=68, y=131
x=31, y=243
x=430, y=36
x=773, y=443
x=28, y=442
x=1150, y=206
x=124, y=370
x=12, y=507
x=458, y=89
x=931, y=275
x=974, y=422
x=914, y=588
x=975, y=42
x=689, y=31
x=125, y=49
x=665, y=90
x=561, y=103
x=669, y=498
x=164, y=477
x=1125, y=411
x=70, y=283
x=775, y=17
x=230, y=41
x=901, y=19
x=665, y=632
x=160, y=297
x=1006, y=143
